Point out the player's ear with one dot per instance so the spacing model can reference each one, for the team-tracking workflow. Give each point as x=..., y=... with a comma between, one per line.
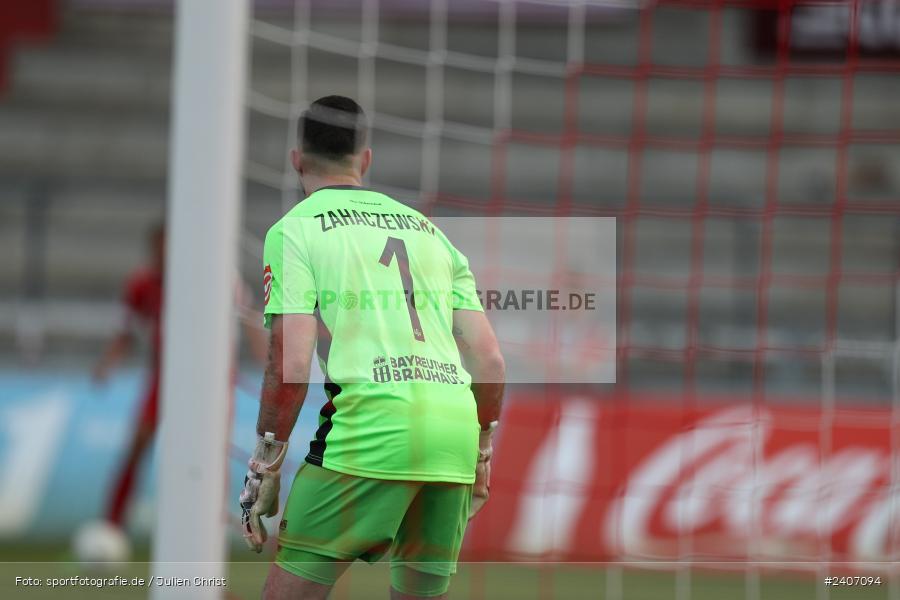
x=296, y=160
x=365, y=162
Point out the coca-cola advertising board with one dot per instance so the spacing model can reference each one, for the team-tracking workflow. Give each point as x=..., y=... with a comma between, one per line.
x=644, y=478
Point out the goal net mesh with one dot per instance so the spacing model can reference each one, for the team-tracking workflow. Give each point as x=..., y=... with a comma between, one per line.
x=748, y=151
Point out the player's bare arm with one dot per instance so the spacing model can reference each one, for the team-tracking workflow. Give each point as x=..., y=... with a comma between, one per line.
x=285, y=384
x=117, y=349
x=287, y=373
x=481, y=355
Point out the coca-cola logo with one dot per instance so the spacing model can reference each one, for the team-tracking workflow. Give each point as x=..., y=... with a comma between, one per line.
x=646, y=478
x=731, y=491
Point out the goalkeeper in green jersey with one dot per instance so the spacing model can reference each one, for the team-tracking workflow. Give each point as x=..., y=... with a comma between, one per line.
x=413, y=378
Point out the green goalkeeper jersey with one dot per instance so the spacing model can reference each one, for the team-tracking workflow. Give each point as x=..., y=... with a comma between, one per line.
x=383, y=282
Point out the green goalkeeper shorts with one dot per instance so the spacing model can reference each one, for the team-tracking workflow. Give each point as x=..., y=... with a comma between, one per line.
x=332, y=519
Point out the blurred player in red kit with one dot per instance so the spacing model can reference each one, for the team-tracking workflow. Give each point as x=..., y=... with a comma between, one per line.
x=143, y=300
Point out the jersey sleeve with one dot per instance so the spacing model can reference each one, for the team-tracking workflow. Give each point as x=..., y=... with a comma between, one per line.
x=465, y=294
x=288, y=283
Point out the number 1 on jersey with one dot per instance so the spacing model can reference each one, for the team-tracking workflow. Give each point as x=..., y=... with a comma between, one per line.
x=397, y=247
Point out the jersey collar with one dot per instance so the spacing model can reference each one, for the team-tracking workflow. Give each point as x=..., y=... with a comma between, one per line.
x=343, y=187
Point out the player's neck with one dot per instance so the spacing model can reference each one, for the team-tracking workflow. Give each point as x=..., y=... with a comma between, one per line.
x=312, y=183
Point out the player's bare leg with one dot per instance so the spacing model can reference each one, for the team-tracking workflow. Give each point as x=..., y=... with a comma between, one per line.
x=281, y=585
x=125, y=480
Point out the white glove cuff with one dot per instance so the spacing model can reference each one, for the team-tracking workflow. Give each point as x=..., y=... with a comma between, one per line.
x=485, y=446
x=269, y=454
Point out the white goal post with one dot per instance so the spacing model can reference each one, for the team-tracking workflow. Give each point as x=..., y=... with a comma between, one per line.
x=205, y=177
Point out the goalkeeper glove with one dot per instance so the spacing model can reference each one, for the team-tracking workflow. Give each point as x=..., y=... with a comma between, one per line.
x=482, y=487
x=261, y=486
